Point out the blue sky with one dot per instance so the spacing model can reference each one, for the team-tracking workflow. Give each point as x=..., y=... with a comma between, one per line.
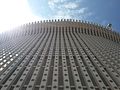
x=17, y=12
x=99, y=11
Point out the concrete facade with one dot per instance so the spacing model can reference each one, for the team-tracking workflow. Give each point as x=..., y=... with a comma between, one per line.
x=60, y=55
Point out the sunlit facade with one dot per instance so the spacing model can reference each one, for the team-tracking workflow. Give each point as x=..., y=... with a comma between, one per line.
x=60, y=55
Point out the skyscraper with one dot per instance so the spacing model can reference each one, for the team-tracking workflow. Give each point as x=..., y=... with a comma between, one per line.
x=60, y=55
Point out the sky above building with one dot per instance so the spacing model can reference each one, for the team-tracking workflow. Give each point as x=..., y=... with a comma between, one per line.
x=16, y=12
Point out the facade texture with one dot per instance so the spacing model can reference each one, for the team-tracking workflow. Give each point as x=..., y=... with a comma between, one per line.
x=60, y=55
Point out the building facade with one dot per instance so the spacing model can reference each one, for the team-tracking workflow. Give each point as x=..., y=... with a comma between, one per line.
x=60, y=55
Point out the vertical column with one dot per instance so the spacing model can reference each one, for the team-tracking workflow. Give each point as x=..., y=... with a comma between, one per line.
x=44, y=80
x=56, y=62
x=64, y=63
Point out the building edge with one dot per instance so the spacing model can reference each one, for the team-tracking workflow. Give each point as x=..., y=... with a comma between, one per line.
x=84, y=27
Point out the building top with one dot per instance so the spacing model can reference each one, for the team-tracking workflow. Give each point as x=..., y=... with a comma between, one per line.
x=83, y=27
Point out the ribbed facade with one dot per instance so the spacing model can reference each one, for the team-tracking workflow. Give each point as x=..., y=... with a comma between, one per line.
x=60, y=55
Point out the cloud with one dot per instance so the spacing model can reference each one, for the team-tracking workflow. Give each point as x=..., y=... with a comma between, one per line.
x=58, y=4
x=69, y=9
x=71, y=5
x=53, y=3
x=82, y=10
x=56, y=1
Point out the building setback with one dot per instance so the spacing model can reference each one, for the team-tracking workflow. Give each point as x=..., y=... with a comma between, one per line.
x=60, y=55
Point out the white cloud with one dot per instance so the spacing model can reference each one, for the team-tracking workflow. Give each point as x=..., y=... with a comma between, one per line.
x=52, y=3
x=68, y=9
x=82, y=10
x=14, y=13
x=71, y=5
x=56, y=4
x=55, y=1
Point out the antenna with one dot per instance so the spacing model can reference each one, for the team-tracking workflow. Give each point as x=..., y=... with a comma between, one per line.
x=109, y=26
